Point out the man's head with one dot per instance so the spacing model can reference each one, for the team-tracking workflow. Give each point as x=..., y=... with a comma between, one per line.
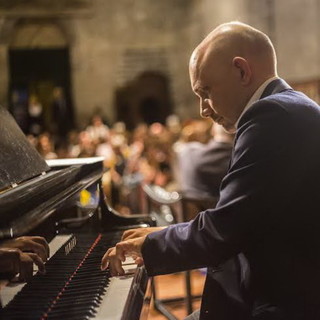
x=226, y=69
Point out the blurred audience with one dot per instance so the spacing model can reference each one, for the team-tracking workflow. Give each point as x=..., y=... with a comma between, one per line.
x=45, y=147
x=149, y=154
x=97, y=129
x=35, y=111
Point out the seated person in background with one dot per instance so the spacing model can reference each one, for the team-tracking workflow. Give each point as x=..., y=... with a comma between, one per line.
x=203, y=166
x=18, y=255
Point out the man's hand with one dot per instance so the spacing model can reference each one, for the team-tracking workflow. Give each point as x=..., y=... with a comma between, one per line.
x=139, y=232
x=14, y=261
x=32, y=244
x=18, y=255
x=115, y=256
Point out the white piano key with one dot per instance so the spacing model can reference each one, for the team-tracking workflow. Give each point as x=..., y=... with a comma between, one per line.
x=114, y=300
x=57, y=242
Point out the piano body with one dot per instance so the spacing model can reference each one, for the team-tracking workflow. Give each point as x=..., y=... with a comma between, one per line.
x=39, y=198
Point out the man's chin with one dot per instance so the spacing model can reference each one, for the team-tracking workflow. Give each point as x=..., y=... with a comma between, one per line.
x=230, y=128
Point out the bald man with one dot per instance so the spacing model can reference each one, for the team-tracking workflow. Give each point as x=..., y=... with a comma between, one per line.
x=267, y=221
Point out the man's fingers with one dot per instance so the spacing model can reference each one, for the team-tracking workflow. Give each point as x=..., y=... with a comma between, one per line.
x=115, y=256
x=26, y=267
x=105, y=259
x=127, y=234
x=9, y=260
x=37, y=248
x=44, y=243
x=121, y=251
x=34, y=244
x=38, y=262
x=116, y=268
x=139, y=261
x=111, y=260
x=15, y=261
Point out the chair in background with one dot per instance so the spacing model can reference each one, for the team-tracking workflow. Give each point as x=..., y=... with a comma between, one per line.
x=164, y=207
x=190, y=207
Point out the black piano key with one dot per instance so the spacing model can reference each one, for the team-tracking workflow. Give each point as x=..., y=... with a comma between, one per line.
x=95, y=301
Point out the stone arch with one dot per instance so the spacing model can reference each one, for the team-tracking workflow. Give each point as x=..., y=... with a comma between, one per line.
x=31, y=34
x=50, y=32
x=146, y=99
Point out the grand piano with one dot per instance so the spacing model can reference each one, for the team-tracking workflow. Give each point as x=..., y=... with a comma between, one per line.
x=63, y=201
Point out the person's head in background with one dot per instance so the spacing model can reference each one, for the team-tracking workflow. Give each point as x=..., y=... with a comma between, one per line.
x=227, y=68
x=196, y=131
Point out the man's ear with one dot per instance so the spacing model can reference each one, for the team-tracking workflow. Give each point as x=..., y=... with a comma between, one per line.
x=243, y=68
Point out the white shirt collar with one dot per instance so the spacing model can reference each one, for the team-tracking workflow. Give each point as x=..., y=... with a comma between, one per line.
x=255, y=97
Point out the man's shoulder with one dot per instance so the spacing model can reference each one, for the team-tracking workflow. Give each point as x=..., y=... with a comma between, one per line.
x=287, y=97
x=280, y=119
x=281, y=105
x=264, y=110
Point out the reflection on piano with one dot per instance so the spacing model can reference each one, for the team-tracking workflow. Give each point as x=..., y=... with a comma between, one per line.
x=41, y=199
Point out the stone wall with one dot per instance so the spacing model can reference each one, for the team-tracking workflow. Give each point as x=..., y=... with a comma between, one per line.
x=126, y=39
x=112, y=42
x=294, y=29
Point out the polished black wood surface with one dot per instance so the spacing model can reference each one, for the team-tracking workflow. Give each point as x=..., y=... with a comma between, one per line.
x=19, y=160
x=24, y=207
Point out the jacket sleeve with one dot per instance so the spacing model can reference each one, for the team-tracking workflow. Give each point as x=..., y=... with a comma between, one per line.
x=243, y=211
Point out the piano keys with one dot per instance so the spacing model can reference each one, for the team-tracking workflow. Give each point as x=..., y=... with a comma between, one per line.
x=45, y=201
x=74, y=287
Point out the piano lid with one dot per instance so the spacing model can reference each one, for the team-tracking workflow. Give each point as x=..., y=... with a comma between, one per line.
x=19, y=160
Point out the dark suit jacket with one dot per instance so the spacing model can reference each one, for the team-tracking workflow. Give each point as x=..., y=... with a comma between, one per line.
x=269, y=211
